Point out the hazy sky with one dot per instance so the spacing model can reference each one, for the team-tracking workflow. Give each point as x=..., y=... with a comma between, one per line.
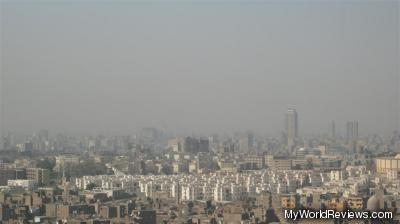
x=199, y=66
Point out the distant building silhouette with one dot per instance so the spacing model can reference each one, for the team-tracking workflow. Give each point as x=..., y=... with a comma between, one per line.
x=246, y=142
x=352, y=131
x=332, y=130
x=291, y=126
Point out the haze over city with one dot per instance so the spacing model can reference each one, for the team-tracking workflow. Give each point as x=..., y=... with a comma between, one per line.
x=199, y=67
x=200, y=112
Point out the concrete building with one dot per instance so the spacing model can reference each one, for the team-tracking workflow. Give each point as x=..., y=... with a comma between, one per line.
x=62, y=162
x=66, y=211
x=28, y=185
x=5, y=175
x=386, y=164
x=291, y=127
x=145, y=216
x=282, y=164
x=351, y=131
x=258, y=161
x=41, y=176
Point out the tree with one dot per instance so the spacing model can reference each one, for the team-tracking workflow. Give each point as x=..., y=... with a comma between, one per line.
x=91, y=186
x=190, y=207
x=47, y=164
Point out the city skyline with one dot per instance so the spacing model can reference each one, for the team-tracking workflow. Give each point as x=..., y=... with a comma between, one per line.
x=343, y=132
x=199, y=112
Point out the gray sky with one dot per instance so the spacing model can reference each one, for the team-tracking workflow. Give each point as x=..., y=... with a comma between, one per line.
x=199, y=67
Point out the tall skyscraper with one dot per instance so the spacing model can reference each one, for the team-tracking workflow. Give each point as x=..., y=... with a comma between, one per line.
x=332, y=130
x=291, y=126
x=352, y=131
x=246, y=142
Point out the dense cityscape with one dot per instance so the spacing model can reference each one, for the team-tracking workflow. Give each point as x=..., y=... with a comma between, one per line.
x=152, y=177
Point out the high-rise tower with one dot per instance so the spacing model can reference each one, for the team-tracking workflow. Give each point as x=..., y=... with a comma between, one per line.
x=351, y=131
x=291, y=126
x=332, y=130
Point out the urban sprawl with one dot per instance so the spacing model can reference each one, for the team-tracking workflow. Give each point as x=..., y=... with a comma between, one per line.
x=153, y=177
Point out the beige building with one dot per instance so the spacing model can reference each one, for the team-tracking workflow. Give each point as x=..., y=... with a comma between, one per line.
x=383, y=165
x=227, y=166
x=41, y=176
x=193, y=167
x=282, y=164
x=63, y=162
x=176, y=144
x=66, y=211
x=291, y=126
x=257, y=160
x=25, y=184
x=269, y=160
